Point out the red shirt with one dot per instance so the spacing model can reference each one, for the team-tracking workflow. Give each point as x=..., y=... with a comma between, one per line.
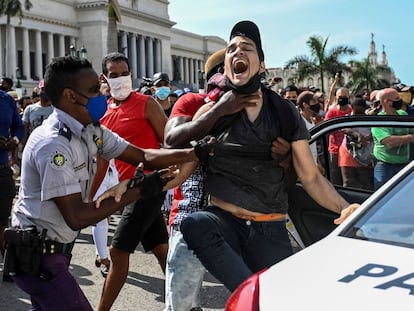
x=335, y=139
x=128, y=121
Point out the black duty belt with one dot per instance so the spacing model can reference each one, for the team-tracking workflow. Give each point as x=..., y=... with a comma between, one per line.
x=53, y=247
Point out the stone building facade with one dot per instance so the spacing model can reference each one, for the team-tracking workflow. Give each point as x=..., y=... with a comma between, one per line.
x=142, y=30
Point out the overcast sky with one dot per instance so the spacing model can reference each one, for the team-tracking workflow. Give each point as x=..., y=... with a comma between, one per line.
x=285, y=26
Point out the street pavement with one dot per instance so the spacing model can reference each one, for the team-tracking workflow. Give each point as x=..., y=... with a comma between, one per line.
x=143, y=291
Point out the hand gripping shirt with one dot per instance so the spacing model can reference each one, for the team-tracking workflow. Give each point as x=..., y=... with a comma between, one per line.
x=58, y=161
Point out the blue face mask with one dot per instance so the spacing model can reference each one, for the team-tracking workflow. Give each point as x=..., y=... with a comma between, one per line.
x=162, y=92
x=96, y=107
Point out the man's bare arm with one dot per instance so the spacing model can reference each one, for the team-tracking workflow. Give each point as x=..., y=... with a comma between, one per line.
x=157, y=158
x=315, y=184
x=228, y=104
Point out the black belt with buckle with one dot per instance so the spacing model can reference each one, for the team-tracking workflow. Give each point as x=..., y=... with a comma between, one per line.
x=53, y=247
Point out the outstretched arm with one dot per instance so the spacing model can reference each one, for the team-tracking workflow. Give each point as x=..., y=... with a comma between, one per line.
x=316, y=185
x=331, y=95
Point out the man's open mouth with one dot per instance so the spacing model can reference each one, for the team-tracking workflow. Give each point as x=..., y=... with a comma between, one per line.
x=239, y=66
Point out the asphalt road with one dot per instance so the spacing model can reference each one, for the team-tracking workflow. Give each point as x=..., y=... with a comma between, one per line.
x=143, y=291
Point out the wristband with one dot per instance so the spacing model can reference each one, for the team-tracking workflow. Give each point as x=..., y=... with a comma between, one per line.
x=148, y=185
x=202, y=148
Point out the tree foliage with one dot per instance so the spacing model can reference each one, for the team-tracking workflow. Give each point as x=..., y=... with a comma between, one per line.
x=366, y=76
x=321, y=61
x=12, y=8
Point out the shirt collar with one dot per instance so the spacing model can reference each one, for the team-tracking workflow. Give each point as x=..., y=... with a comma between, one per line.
x=75, y=126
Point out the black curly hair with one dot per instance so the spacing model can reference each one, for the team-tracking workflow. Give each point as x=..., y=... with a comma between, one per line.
x=61, y=73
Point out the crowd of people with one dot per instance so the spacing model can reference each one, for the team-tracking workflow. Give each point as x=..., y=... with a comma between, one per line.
x=363, y=158
x=223, y=159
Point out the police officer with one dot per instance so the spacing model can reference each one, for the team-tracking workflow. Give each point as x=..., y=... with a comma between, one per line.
x=57, y=166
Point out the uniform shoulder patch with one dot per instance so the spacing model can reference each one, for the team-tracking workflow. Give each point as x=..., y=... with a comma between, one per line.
x=58, y=160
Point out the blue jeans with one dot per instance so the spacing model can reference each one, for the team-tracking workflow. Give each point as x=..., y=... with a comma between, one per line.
x=232, y=249
x=183, y=276
x=384, y=171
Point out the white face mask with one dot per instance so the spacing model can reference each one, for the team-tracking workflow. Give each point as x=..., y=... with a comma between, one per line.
x=120, y=87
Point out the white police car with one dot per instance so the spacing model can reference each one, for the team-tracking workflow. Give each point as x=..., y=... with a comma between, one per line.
x=366, y=263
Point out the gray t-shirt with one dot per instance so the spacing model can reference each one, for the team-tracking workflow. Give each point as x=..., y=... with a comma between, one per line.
x=35, y=114
x=58, y=161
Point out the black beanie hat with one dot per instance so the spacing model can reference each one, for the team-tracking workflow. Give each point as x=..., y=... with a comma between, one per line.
x=249, y=30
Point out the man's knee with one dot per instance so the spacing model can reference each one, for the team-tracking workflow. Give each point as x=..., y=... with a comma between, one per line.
x=196, y=228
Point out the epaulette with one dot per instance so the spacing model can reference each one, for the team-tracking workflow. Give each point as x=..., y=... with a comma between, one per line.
x=65, y=131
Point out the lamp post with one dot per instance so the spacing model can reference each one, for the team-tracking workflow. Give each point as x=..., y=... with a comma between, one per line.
x=19, y=90
x=82, y=53
x=201, y=81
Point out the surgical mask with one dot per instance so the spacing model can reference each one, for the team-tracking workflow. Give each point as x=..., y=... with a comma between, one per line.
x=250, y=87
x=397, y=104
x=315, y=108
x=343, y=101
x=96, y=107
x=120, y=87
x=162, y=92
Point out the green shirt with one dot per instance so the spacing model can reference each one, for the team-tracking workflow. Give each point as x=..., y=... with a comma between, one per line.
x=393, y=155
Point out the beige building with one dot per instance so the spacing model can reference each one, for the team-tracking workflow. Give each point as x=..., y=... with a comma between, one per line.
x=142, y=30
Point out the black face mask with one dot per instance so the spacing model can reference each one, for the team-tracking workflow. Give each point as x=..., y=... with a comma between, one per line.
x=397, y=104
x=315, y=108
x=343, y=101
x=250, y=87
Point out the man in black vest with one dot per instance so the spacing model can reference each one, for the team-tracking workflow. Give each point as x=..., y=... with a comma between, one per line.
x=243, y=231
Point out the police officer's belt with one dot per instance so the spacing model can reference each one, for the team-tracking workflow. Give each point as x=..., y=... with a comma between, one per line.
x=53, y=247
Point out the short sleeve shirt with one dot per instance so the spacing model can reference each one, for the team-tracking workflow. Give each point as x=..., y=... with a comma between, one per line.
x=35, y=114
x=190, y=196
x=58, y=161
x=393, y=155
x=242, y=171
x=336, y=138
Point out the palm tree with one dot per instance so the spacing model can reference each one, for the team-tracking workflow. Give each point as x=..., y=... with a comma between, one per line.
x=12, y=8
x=114, y=16
x=366, y=76
x=321, y=61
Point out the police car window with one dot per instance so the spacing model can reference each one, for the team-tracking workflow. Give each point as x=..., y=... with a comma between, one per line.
x=347, y=157
x=391, y=219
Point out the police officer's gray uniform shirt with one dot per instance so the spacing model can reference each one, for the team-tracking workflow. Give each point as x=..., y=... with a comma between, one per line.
x=58, y=161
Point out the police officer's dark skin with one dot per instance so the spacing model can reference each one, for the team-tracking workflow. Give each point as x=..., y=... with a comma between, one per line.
x=78, y=214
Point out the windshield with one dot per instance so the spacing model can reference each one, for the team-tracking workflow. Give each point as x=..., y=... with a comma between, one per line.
x=391, y=219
